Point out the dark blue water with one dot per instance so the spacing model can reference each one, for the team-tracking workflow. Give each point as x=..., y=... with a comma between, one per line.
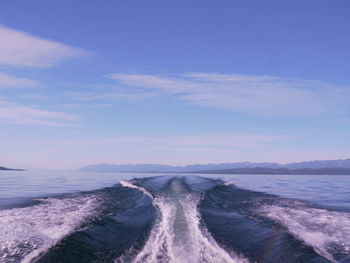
x=88, y=217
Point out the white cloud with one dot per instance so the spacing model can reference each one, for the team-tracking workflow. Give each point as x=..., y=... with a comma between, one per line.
x=14, y=113
x=9, y=81
x=245, y=93
x=24, y=50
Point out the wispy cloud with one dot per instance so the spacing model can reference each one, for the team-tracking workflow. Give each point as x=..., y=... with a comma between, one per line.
x=9, y=81
x=18, y=114
x=109, y=93
x=245, y=93
x=33, y=96
x=214, y=142
x=21, y=49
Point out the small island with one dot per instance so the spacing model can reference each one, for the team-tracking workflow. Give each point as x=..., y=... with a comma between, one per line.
x=9, y=169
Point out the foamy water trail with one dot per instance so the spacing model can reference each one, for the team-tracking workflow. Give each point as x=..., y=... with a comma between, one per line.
x=160, y=244
x=131, y=185
x=177, y=236
x=328, y=232
x=27, y=232
x=203, y=247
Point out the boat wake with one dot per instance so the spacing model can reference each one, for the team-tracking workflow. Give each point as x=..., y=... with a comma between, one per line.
x=178, y=236
x=181, y=219
x=327, y=231
x=27, y=232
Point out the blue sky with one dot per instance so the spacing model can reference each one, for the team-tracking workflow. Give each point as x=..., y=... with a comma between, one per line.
x=173, y=82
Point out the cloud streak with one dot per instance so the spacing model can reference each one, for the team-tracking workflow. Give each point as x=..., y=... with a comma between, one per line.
x=20, y=49
x=9, y=81
x=265, y=95
x=18, y=114
x=213, y=142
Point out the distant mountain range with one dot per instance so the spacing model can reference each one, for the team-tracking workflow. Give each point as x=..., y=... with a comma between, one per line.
x=9, y=169
x=261, y=170
x=312, y=167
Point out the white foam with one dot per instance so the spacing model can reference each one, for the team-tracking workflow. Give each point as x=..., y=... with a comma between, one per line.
x=319, y=228
x=203, y=246
x=199, y=246
x=159, y=247
x=131, y=185
x=27, y=232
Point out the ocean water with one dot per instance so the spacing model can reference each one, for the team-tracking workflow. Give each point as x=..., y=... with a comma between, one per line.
x=115, y=217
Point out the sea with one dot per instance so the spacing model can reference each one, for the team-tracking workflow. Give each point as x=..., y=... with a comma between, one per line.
x=69, y=216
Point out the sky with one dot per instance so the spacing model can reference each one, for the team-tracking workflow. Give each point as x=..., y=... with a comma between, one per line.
x=173, y=82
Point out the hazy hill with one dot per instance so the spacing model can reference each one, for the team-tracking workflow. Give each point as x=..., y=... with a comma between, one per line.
x=332, y=164
x=169, y=168
x=345, y=163
x=262, y=170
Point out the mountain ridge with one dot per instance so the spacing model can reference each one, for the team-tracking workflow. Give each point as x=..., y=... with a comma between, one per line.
x=262, y=170
x=317, y=164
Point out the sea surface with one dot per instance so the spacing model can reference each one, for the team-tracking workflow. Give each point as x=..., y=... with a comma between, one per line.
x=181, y=218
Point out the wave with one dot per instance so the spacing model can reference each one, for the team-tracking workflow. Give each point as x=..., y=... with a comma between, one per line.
x=27, y=232
x=326, y=231
x=131, y=185
x=233, y=217
x=122, y=220
x=168, y=219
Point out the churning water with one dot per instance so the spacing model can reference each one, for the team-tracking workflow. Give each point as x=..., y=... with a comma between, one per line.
x=145, y=218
